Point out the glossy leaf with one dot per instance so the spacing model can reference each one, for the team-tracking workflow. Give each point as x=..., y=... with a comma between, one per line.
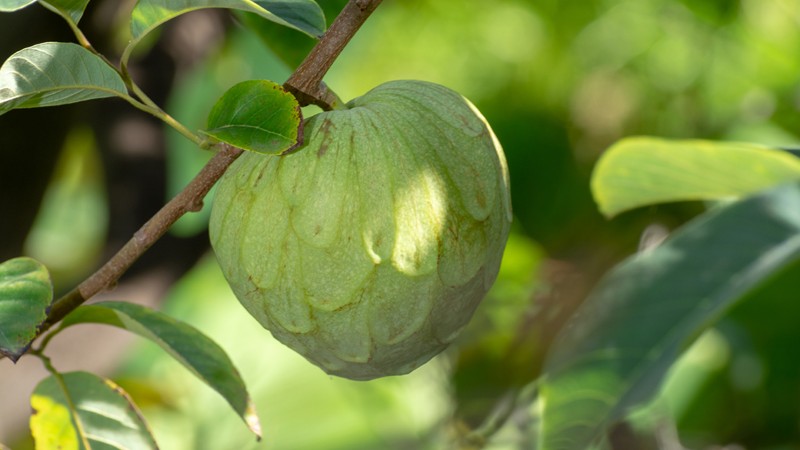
x=14, y=5
x=69, y=9
x=258, y=116
x=643, y=171
x=25, y=296
x=614, y=352
x=55, y=73
x=202, y=356
x=84, y=411
x=302, y=15
x=289, y=46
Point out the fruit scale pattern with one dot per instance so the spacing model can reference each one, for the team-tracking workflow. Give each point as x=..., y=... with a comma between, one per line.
x=369, y=248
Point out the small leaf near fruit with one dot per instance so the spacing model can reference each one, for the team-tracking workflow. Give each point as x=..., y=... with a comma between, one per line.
x=258, y=116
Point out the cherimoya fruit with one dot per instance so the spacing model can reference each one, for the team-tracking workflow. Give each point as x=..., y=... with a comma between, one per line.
x=368, y=249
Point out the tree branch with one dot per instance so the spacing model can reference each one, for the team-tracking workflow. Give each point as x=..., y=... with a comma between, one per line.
x=305, y=83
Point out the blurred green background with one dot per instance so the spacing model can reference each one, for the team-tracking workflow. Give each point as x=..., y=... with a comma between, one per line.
x=558, y=81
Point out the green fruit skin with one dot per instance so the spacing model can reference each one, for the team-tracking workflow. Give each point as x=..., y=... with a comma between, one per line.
x=368, y=249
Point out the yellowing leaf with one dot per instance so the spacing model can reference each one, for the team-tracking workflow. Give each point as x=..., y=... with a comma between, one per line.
x=643, y=171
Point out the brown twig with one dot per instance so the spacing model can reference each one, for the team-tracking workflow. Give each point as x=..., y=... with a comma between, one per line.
x=305, y=83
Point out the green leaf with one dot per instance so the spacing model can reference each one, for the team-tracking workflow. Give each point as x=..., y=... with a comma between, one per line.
x=202, y=356
x=642, y=171
x=614, y=352
x=14, y=5
x=302, y=15
x=258, y=116
x=79, y=410
x=289, y=46
x=55, y=73
x=25, y=297
x=69, y=9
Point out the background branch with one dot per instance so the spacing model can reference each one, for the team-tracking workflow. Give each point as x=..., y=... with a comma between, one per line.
x=305, y=83
x=188, y=200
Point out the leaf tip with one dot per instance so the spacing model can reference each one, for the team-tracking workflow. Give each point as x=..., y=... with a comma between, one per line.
x=251, y=419
x=14, y=356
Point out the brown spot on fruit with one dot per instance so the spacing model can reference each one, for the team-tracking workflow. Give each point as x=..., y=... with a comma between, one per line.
x=481, y=199
x=323, y=148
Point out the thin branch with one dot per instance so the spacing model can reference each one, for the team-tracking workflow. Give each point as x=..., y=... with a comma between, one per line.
x=309, y=73
x=306, y=81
